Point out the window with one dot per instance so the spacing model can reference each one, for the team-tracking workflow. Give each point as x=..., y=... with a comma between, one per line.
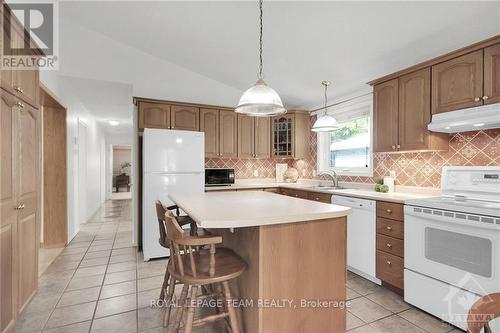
x=348, y=151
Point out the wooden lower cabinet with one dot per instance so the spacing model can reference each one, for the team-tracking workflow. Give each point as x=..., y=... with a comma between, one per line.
x=390, y=244
x=320, y=197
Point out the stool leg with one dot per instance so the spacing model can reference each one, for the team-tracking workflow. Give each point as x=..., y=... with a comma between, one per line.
x=170, y=294
x=180, y=308
x=165, y=283
x=190, y=314
x=233, y=320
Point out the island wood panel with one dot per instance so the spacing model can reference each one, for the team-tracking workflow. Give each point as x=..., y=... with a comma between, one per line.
x=8, y=215
x=54, y=182
x=186, y=118
x=246, y=136
x=228, y=134
x=385, y=114
x=209, y=124
x=492, y=74
x=262, y=137
x=458, y=83
x=288, y=261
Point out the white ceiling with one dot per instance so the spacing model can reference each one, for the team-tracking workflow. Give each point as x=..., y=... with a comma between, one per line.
x=305, y=42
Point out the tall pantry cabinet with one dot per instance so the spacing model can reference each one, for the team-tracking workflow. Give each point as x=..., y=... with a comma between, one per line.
x=19, y=187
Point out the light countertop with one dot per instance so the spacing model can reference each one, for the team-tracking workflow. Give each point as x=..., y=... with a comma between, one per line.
x=252, y=208
x=350, y=191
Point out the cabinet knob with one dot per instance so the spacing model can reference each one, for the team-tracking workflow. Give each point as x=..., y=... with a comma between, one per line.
x=389, y=228
x=398, y=146
x=296, y=195
x=19, y=207
x=393, y=147
x=19, y=104
x=19, y=89
x=477, y=99
x=389, y=211
x=485, y=98
x=389, y=245
x=388, y=262
x=317, y=199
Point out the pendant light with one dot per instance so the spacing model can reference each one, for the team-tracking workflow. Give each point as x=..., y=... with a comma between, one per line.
x=260, y=99
x=325, y=123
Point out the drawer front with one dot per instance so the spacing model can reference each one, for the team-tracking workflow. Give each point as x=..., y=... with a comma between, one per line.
x=390, y=245
x=321, y=197
x=390, y=269
x=391, y=228
x=390, y=210
x=272, y=190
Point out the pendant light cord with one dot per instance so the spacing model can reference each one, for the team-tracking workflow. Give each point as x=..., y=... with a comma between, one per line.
x=260, y=40
x=326, y=99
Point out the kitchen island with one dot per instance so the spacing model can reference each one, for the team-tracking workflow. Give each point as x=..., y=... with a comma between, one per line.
x=296, y=255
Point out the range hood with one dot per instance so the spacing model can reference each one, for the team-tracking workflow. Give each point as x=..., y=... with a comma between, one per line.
x=473, y=119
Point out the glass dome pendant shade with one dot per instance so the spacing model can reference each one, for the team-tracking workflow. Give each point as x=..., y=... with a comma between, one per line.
x=260, y=99
x=325, y=123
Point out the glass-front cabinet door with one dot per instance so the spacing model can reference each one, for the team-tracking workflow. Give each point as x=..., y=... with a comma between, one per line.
x=283, y=136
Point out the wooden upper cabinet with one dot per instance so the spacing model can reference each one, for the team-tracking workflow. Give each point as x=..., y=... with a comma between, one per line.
x=228, y=134
x=262, y=146
x=414, y=110
x=185, y=118
x=491, y=74
x=385, y=114
x=290, y=135
x=154, y=115
x=458, y=83
x=246, y=136
x=209, y=124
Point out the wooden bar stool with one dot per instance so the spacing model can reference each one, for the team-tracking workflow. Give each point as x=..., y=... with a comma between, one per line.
x=195, y=269
x=181, y=220
x=482, y=312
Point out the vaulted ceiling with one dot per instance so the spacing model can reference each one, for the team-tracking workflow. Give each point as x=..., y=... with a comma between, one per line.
x=305, y=42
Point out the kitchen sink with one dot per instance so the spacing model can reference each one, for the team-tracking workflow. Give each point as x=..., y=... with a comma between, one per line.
x=326, y=188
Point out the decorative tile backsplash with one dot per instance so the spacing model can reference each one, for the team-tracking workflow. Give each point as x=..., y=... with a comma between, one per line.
x=412, y=168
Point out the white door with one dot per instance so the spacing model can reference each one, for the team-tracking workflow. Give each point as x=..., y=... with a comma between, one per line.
x=82, y=173
x=157, y=187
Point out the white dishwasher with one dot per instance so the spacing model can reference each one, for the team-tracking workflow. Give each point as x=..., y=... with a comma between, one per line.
x=361, y=233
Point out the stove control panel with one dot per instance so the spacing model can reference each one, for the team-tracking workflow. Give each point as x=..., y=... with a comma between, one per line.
x=463, y=179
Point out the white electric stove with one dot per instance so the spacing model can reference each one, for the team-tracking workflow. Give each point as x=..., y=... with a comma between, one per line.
x=452, y=244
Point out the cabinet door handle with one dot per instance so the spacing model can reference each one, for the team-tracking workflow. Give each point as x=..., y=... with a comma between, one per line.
x=389, y=245
x=477, y=99
x=19, y=89
x=389, y=228
x=19, y=104
x=388, y=262
x=485, y=98
x=398, y=146
x=389, y=211
x=393, y=147
x=19, y=207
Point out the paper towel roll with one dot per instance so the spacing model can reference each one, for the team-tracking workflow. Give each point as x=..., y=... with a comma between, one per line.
x=389, y=181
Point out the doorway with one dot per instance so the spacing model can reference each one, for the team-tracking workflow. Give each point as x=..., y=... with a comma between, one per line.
x=81, y=200
x=121, y=161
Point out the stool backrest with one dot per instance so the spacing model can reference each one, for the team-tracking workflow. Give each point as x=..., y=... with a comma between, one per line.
x=160, y=213
x=482, y=312
x=184, y=248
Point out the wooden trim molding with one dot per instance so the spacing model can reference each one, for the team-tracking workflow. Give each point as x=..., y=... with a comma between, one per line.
x=450, y=55
x=137, y=100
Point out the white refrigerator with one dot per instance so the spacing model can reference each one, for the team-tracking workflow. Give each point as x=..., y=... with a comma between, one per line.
x=172, y=161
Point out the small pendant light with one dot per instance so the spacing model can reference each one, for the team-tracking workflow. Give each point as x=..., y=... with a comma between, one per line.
x=325, y=123
x=260, y=99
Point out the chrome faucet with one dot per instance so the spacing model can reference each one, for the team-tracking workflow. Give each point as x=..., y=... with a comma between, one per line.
x=333, y=175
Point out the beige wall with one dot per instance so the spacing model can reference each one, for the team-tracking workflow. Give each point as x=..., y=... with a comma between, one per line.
x=120, y=156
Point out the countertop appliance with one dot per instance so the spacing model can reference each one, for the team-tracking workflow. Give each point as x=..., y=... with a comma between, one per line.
x=452, y=244
x=361, y=233
x=219, y=177
x=171, y=161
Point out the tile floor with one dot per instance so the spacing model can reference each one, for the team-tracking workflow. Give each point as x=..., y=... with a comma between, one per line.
x=100, y=283
x=46, y=256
